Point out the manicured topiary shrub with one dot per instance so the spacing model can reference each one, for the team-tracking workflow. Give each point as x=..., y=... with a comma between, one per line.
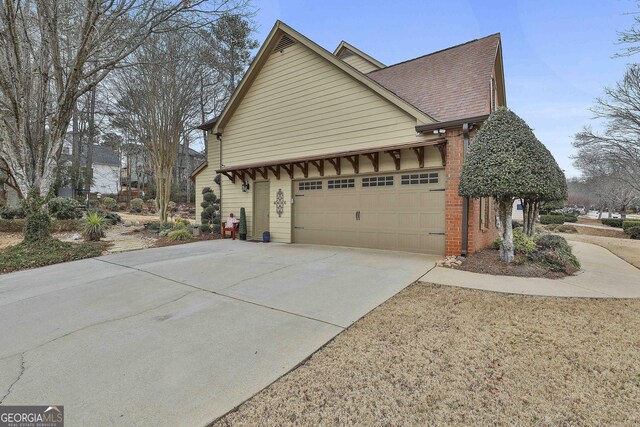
x=506, y=161
x=612, y=222
x=570, y=218
x=210, y=209
x=242, y=229
x=551, y=219
x=205, y=228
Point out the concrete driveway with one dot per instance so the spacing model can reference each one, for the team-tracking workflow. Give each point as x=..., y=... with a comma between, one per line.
x=180, y=335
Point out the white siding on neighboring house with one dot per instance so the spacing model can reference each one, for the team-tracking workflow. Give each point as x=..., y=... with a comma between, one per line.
x=106, y=179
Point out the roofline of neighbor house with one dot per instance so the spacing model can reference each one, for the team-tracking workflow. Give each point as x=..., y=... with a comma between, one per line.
x=451, y=124
x=208, y=125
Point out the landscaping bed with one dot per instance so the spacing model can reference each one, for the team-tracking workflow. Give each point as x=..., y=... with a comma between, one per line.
x=544, y=255
x=448, y=356
x=30, y=255
x=487, y=261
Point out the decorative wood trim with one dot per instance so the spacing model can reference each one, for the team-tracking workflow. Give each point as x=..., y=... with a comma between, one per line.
x=443, y=152
x=304, y=167
x=355, y=162
x=262, y=171
x=288, y=169
x=420, y=155
x=251, y=173
x=231, y=175
x=336, y=164
x=276, y=170
x=319, y=164
x=375, y=160
x=395, y=155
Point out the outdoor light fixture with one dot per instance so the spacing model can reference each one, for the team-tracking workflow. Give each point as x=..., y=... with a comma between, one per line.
x=245, y=186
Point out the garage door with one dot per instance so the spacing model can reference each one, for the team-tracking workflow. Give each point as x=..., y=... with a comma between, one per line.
x=403, y=211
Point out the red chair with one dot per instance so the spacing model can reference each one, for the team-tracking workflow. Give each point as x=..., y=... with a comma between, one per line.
x=233, y=230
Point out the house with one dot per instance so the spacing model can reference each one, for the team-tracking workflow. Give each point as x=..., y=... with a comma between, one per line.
x=106, y=169
x=8, y=195
x=339, y=149
x=142, y=171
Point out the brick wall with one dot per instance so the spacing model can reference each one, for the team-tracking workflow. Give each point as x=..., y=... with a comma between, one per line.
x=478, y=237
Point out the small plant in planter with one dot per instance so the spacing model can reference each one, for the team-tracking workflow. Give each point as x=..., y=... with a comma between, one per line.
x=242, y=231
x=94, y=226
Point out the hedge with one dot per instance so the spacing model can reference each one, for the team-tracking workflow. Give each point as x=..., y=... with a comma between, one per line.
x=634, y=233
x=552, y=219
x=630, y=223
x=612, y=222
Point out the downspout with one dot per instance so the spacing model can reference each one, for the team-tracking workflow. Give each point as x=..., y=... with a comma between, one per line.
x=219, y=138
x=465, y=202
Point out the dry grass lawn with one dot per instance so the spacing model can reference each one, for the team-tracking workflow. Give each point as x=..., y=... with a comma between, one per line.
x=448, y=356
x=627, y=249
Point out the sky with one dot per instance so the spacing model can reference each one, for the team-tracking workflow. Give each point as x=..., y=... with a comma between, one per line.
x=558, y=55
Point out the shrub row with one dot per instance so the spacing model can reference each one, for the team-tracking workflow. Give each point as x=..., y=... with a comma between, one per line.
x=612, y=222
x=552, y=219
x=634, y=233
x=630, y=223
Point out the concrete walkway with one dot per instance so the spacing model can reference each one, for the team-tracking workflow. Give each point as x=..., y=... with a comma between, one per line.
x=180, y=335
x=603, y=275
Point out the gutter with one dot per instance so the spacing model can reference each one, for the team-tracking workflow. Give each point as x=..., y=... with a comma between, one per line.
x=451, y=124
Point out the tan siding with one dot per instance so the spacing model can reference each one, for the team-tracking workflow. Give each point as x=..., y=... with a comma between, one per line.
x=233, y=199
x=301, y=105
x=359, y=63
x=206, y=176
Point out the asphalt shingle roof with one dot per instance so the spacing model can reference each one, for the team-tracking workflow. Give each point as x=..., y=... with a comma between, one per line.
x=450, y=84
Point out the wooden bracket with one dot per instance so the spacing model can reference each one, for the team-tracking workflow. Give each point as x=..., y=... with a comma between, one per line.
x=251, y=173
x=276, y=170
x=420, y=155
x=395, y=155
x=230, y=175
x=262, y=171
x=336, y=164
x=355, y=162
x=289, y=170
x=319, y=165
x=443, y=152
x=304, y=167
x=375, y=160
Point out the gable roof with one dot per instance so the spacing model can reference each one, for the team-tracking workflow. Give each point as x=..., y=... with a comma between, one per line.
x=272, y=41
x=450, y=84
x=102, y=155
x=346, y=46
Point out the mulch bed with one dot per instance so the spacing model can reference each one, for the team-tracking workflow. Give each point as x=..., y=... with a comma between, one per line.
x=487, y=261
x=164, y=241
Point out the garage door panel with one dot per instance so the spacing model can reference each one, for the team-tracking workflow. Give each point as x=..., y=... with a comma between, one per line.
x=403, y=216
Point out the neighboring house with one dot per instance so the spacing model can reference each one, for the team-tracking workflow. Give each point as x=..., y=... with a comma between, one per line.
x=106, y=169
x=339, y=149
x=187, y=160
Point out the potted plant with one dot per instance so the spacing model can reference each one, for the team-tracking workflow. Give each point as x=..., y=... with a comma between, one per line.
x=243, y=225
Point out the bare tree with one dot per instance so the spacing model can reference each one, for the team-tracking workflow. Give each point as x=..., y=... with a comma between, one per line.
x=156, y=98
x=615, y=151
x=53, y=52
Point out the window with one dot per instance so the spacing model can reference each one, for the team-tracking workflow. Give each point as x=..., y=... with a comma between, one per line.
x=485, y=209
x=420, y=178
x=310, y=185
x=377, y=181
x=341, y=183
